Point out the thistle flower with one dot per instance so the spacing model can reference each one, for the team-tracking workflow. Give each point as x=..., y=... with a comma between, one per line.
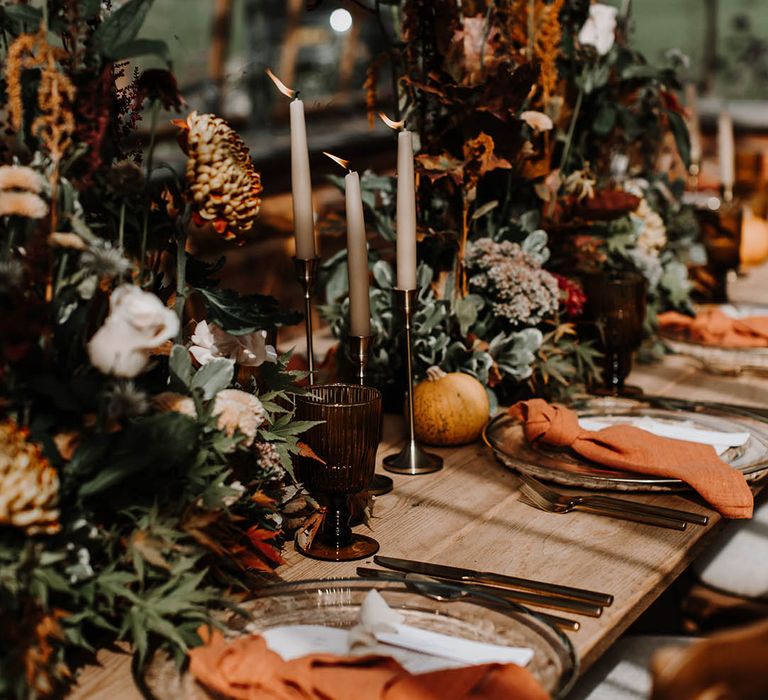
x=237, y=410
x=126, y=400
x=105, y=260
x=29, y=485
x=222, y=182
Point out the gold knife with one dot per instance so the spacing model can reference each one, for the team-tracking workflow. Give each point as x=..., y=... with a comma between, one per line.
x=486, y=595
x=453, y=573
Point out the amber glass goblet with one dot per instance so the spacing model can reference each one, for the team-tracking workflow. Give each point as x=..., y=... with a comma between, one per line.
x=616, y=303
x=346, y=443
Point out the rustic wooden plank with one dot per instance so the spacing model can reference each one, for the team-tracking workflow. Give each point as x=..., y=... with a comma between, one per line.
x=469, y=514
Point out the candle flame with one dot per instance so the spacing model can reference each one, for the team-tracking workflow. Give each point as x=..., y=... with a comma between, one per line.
x=343, y=163
x=280, y=84
x=391, y=123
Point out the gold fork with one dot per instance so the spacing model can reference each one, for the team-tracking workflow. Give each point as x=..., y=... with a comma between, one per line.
x=611, y=502
x=534, y=497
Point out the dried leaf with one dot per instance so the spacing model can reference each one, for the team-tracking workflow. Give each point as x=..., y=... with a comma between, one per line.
x=306, y=451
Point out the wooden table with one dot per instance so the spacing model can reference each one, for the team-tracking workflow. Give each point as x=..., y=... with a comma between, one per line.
x=469, y=514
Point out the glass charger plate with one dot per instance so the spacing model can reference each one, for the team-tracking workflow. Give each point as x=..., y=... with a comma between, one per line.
x=563, y=466
x=720, y=360
x=336, y=603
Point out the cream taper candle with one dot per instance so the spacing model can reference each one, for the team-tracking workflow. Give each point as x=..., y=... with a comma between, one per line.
x=726, y=152
x=301, y=185
x=406, y=213
x=357, y=259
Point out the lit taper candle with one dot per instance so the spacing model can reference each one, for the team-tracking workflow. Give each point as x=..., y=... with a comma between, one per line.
x=301, y=182
x=357, y=253
x=406, y=213
x=726, y=153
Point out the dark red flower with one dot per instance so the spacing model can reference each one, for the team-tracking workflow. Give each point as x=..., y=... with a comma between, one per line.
x=159, y=84
x=572, y=297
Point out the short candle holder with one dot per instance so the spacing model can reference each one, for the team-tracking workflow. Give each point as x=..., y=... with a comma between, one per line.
x=412, y=459
x=306, y=272
x=359, y=348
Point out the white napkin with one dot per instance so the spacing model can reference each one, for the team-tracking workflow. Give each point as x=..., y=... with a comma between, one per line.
x=683, y=430
x=380, y=630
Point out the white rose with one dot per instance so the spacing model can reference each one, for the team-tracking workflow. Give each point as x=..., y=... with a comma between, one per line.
x=600, y=28
x=251, y=350
x=138, y=322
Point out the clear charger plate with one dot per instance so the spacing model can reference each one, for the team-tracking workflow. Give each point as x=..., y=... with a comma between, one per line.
x=505, y=437
x=336, y=603
x=722, y=360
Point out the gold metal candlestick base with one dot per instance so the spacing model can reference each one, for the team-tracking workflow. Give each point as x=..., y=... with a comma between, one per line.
x=359, y=347
x=306, y=272
x=412, y=459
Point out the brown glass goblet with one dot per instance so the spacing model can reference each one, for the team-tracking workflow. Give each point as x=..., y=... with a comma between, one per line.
x=615, y=308
x=345, y=443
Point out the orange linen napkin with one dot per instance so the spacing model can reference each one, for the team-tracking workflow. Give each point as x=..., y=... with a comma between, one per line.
x=245, y=669
x=712, y=327
x=637, y=450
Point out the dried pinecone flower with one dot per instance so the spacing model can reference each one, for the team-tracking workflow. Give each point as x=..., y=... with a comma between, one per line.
x=29, y=485
x=126, y=400
x=237, y=410
x=222, y=182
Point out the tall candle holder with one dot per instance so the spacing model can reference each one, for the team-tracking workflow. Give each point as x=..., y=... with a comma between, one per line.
x=306, y=272
x=412, y=459
x=359, y=348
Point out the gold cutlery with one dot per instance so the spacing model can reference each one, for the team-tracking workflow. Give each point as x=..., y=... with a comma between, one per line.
x=455, y=590
x=542, y=497
x=488, y=578
x=623, y=503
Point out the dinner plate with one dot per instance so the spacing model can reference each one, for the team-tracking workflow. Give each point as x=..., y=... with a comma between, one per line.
x=563, y=466
x=336, y=603
x=721, y=360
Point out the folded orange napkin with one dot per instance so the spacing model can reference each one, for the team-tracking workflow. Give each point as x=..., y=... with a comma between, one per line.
x=713, y=327
x=245, y=669
x=637, y=450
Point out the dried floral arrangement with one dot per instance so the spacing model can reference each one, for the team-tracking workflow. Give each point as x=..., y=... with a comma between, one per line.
x=145, y=427
x=544, y=150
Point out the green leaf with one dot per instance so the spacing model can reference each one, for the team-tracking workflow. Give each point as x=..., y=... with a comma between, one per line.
x=682, y=137
x=139, y=47
x=605, y=119
x=214, y=376
x=465, y=310
x=24, y=14
x=244, y=314
x=484, y=209
x=121, y=26
x=180, y=365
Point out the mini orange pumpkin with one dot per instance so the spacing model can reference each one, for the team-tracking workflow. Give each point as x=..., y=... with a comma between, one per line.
x=449, y=409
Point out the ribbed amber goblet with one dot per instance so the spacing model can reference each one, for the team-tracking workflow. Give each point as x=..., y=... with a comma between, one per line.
x=346, y=443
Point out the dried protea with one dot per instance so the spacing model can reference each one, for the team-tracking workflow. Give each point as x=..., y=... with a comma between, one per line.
x=222, y=182
x=29, y=485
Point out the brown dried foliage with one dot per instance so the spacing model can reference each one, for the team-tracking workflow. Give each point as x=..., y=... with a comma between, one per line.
x=546, y=44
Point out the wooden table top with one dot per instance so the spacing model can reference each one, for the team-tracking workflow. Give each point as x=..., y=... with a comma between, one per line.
x=469, y=514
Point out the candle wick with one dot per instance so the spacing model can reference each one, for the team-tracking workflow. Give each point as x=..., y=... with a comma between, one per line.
x=296, y=94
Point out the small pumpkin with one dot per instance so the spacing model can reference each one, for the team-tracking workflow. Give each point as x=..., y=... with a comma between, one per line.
x=449, y=408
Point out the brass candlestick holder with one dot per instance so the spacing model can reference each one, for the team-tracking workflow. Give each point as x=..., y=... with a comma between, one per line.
x=359, y=353
x=412, y=459
x=359, y=348
x=306, y=272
